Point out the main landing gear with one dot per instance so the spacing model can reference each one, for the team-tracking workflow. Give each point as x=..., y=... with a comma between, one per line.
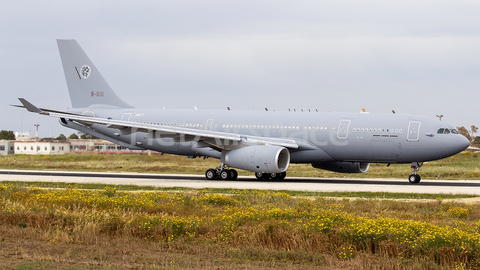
x=414, y=178
x=221, y=173
x=272, y=176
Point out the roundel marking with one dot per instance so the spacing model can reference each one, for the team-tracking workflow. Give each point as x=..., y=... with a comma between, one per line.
x=85, y=71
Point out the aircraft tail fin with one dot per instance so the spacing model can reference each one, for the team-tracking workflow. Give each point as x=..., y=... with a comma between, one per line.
x=86, y=85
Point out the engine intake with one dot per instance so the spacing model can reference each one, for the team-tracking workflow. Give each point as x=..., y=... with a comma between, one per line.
x=343, y=167
x=258, y=158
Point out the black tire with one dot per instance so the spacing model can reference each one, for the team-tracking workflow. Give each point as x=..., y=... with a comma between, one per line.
x=414, y=178
x=225, y=174
x=211, y=174
x=274, y=176
x=282, y=175
x=418, y=179
x=260, y=176
x=233, y=174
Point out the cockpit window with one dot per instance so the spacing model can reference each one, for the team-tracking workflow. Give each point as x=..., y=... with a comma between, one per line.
x=447, y=131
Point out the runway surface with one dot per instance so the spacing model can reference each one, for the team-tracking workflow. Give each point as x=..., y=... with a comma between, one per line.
x=244, y=182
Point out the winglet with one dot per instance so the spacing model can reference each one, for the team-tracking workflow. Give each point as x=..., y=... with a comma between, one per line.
x=30, y=107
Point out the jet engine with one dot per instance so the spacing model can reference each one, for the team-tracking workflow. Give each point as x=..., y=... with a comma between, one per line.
x=343, y=167
x=258, y=158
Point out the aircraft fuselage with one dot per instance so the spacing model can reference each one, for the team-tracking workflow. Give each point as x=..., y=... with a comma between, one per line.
x=322, y=136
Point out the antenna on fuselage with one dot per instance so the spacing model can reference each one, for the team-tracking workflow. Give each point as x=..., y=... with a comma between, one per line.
x=266, y=109
x=228, y=108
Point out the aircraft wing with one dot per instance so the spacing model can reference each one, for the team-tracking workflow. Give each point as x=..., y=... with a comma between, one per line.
x=222, y=140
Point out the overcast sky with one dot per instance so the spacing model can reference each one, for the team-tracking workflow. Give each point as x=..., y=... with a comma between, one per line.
x=415, y=57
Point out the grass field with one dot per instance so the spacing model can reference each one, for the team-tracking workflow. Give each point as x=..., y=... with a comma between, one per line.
x=71, y=228
x=92, y=226
x=461, y=166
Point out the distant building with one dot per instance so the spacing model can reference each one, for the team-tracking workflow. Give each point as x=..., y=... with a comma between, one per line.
x=41, y=148
x=106, y=146
x=6, y=147
x=80, y=145
x=25, y=145
x=100, y=146
x=22, y=136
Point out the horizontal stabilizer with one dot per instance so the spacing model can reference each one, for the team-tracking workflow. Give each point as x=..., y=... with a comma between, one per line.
x=30, y=107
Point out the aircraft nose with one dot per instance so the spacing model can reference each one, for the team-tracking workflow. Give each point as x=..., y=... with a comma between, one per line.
x=462, y=143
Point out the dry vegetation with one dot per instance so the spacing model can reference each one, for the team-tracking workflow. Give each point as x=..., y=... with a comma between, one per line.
x=72, y=228
x=110, y=229
x=462, y=166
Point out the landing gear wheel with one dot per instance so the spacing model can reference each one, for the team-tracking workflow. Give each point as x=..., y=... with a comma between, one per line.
x=225, y=174
x=277, y=176
x=211, y=174
x=233, y=174
x=271, y=176
x=414, y=178
x=261, y=176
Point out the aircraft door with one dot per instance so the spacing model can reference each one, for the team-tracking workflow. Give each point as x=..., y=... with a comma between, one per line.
x=209, y=124
x=126, y=116
x=413, y=131
x=342, y=132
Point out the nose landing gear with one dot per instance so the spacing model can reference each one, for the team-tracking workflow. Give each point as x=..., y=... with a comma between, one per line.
x=414, y=178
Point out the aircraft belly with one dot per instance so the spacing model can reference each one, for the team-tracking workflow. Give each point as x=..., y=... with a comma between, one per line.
x=310, y=156
x=382, y=149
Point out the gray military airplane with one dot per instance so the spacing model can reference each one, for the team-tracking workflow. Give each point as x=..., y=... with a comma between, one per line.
x=263, y=142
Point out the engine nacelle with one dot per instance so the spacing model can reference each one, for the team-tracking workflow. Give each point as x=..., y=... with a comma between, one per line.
x=343, y=167
x=258, y=158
